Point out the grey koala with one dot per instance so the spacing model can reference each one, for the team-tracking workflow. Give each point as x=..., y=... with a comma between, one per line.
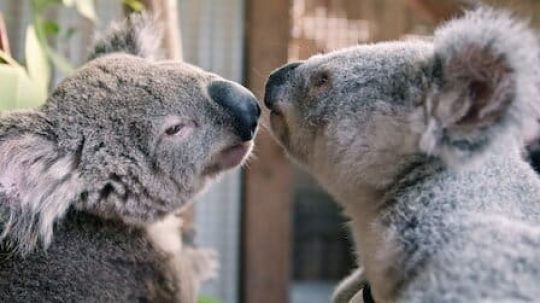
x=420, y=142
x=91, y=183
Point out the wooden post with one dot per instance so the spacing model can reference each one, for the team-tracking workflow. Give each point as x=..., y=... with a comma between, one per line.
x=167, y=12
x=268, y=180
x=437, y=11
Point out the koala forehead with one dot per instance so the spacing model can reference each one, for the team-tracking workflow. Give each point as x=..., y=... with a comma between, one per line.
x=386, y=64
x=393, y=53
x=124, y=81
x=116, y=93
x=393, y=73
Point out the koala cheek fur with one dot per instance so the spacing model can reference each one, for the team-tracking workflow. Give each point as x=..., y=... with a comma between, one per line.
x=421, y=145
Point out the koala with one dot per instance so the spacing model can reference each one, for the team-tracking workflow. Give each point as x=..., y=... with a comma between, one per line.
x=92, y=183
x=420, y=143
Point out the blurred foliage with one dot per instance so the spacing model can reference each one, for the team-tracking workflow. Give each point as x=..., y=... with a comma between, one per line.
x=207, y=299
x=26, y=86
x=134, y=5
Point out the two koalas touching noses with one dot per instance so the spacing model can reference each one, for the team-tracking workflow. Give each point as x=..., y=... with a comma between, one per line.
x=418, y=141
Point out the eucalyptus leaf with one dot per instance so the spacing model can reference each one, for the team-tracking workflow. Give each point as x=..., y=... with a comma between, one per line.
x=86, y=8
x=9, y=60
x=30, y=95
x=40, y=5
x=9, y=87
x=134, y=5
x=207, y=299
x=51, y=28
x=37, y=64
x=68, y=3
x=18, y=90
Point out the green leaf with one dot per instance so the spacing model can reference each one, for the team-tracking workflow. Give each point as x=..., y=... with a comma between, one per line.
x=51, y=28
x=30, y=96
x=68, y=3
x=207, y=299
x=40, y=5
x=9, y=60
x=134, y=5
x=37, y=64
x=9, y=83
x=86, y=8
x=18, y=90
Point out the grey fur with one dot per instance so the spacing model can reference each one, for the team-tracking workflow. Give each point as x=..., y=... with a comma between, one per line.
x=138, y=35
x=99, y=153
x=115, y=264
x=421, y=143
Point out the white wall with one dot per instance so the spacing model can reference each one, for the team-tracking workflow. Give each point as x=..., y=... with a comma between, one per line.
x=212, y=32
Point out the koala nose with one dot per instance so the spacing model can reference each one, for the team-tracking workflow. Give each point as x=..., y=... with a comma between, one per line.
x=275, y=81
x=240, y=103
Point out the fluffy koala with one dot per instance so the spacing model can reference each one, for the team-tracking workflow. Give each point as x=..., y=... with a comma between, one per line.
x=420, y=142
x=91, y=182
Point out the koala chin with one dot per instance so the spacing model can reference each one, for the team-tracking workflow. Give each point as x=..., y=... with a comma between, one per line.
x=421, y=143
x=92, y=182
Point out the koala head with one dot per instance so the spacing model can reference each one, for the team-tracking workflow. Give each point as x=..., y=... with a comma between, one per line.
x=126, y=136
x=361, y=115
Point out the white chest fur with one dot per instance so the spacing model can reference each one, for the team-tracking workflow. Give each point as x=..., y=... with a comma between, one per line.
x=189, y=266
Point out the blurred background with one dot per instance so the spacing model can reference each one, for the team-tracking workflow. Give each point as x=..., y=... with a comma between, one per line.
x=279, y=236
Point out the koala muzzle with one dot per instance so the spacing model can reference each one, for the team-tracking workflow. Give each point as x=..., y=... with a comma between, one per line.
x=275, y=84
x=240, y=103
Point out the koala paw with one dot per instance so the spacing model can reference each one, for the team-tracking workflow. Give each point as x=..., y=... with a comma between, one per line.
x=204, y=262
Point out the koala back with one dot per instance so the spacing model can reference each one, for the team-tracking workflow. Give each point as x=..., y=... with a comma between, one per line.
x=467, y=234
x=89, y=259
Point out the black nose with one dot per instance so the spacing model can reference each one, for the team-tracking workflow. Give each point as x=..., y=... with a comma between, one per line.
x=241, y=105
x=275, y=83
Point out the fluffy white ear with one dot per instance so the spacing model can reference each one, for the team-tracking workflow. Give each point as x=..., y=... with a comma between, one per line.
x=138, y=35
x=37, y=181
x=486, y=96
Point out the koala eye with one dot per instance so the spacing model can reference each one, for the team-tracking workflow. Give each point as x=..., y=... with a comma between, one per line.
x=173, y=130
x=180, y=129
x=322, y=79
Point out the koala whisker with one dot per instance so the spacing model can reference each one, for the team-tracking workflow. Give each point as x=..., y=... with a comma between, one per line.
x=266, y=126
x=249, y=160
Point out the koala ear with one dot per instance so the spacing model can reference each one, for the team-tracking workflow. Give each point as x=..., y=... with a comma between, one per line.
x=138, y=35
x=486, y=64
x=38, y=182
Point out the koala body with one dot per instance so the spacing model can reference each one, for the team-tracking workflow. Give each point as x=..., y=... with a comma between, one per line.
x=86, y=254
x=420, y=142
x=91, y=183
